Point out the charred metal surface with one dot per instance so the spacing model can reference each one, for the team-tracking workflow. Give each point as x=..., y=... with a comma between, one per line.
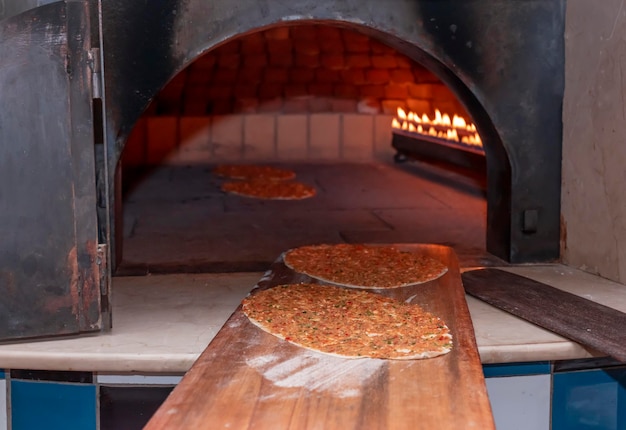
x=89, y=300
x=503, y=59
x=47, y=202
x=9, y=8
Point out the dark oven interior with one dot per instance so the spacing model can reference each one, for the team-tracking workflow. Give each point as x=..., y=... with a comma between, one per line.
x=314, y=86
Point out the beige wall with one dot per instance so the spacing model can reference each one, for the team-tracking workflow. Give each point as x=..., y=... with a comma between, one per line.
x=594, y=138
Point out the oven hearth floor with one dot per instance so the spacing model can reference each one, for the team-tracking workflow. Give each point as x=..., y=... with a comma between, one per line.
x=179, y=220
x=176, y=219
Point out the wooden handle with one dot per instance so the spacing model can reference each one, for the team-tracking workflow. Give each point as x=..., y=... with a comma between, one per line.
x=588, y=323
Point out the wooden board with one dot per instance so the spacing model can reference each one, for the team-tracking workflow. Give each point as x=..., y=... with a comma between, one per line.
x=249, y=379
x=576, y=318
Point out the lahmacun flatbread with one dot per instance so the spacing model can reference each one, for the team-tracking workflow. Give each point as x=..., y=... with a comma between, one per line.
x=363, y=266
x=249, y=171
x=348, y=323
x=271, y=190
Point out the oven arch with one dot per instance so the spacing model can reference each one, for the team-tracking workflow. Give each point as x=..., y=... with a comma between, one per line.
x=514, y=100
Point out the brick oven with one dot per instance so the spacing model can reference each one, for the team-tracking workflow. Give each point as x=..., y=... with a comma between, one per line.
x=245, y=79
x=471, y=55
x=301, y=92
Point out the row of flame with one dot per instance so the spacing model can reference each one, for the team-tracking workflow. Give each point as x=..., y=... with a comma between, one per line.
x=441, y=126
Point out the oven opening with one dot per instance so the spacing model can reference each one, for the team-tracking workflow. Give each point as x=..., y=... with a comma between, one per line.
x=323, y=101
x=326, y=102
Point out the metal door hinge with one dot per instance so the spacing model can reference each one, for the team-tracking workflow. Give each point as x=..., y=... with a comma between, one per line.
x=102, y=262
x=95, y=64
x=105, y=285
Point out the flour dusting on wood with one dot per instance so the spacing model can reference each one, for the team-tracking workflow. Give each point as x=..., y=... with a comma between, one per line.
x=316, y=372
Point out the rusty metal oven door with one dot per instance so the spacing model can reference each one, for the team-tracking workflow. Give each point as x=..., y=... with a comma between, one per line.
x=52, y=273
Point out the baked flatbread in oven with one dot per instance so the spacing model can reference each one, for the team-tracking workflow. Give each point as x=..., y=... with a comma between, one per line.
x=270, y=190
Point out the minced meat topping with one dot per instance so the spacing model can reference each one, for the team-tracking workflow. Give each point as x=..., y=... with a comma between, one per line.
x=365, y=266
x=264, y=189
x=348, y=323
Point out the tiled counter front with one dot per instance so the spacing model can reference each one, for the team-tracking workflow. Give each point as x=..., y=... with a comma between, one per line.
x=568, y=395
x=80, y=400
x=564, y=395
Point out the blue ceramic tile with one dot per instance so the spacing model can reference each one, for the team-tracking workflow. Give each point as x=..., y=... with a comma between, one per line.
x=516, y=369
x=52, y=406
x=589, y=400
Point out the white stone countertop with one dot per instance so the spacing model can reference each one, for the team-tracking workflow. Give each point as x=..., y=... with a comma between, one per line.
x=161, y=324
